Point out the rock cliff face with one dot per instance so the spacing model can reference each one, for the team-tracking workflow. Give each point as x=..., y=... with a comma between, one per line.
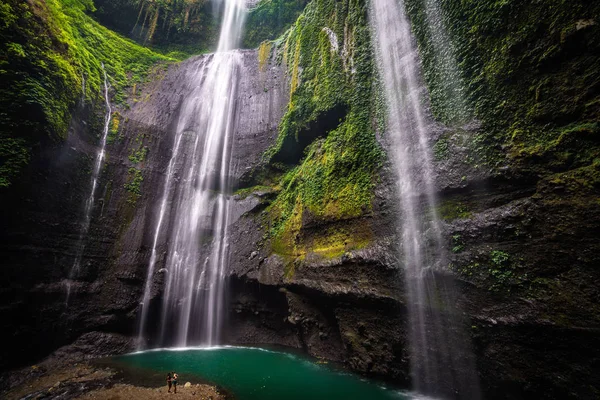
x=522, y=232
x=41, y=217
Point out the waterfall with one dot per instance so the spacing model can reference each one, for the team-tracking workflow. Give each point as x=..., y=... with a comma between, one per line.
x=446, y=64
x=196, y=194
x=440, y=356
x=89, y=204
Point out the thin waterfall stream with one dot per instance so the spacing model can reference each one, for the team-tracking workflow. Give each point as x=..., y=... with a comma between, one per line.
x=440, y=357
x=196, y=195
x=89, y=204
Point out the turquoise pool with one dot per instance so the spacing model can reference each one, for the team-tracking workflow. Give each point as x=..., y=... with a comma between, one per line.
x=253, y=373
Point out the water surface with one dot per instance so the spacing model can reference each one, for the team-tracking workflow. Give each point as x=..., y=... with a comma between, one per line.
x=252, y=373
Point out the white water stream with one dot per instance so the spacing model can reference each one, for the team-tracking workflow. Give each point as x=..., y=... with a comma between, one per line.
x=89, y=204
x=441, y=363
x=196, y=194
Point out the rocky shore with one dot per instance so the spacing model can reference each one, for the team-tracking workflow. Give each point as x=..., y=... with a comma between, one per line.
x=86, y=381
x=75, y=372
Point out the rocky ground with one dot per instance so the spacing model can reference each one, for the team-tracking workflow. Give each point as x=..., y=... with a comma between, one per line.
x=121, y=391
x=73, y=372
x=86, y=381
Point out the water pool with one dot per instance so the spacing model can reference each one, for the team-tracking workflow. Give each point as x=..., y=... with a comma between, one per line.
x=253, y=373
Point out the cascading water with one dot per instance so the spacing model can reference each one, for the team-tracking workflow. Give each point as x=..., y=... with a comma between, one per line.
x=197, y=187
x=441, y=361
x=89, y=204
x=446, y=63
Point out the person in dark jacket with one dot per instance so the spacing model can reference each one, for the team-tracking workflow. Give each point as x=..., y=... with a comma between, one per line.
x=169, y=382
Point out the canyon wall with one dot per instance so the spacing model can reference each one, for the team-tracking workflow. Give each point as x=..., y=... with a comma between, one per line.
x=314, y=255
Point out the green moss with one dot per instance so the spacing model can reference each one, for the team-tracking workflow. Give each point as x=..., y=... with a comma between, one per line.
x=50, y=52
x=518, y=61
x=570, y=146
x=578, y=188
x=269, y=19
x=245, y=192
x=138, y=155
x=441, y=149
x=135, y=177
x=134, y=184
x=14, y=155
x=264, y=51
x=330, y=113
x=451, y=210
x=498, y=272
x=113, y=132
x=337, y=241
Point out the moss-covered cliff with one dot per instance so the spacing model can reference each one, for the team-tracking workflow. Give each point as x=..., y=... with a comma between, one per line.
x=52, y=53
x=522, y=221
x=326, y=149
x=530, y=72
x=513, y=89
x=270, y=18
x=183, y=26
x=531, y=76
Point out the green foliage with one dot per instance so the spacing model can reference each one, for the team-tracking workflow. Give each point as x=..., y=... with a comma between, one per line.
x=134, y=184
x=14, y=155
x=184, y=26
x=531, y=70
x=91, y=44
x=499, y=258
x=440, y=65
x=457, y=244
x=330, y=112
x=49, y=51
x=269, y=19
x=139, y=155
x=501, y=269
x=441, y=149
x=245, y=192
x=114, y=128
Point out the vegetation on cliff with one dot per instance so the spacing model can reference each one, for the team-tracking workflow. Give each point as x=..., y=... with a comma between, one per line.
x=531, y=71
x=532, y=77
x=327, y=137
x=269, y=19
x=185, y=26
x=51, y=56
x=192, y=26
x=51, y=53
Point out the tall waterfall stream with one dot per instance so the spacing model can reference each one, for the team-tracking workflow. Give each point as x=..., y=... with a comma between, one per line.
x=196, y=191
x=89, y=204
x=441, y=363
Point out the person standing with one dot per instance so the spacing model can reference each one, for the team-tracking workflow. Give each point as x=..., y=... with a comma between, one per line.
x=174, y=380
x=169, y=379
